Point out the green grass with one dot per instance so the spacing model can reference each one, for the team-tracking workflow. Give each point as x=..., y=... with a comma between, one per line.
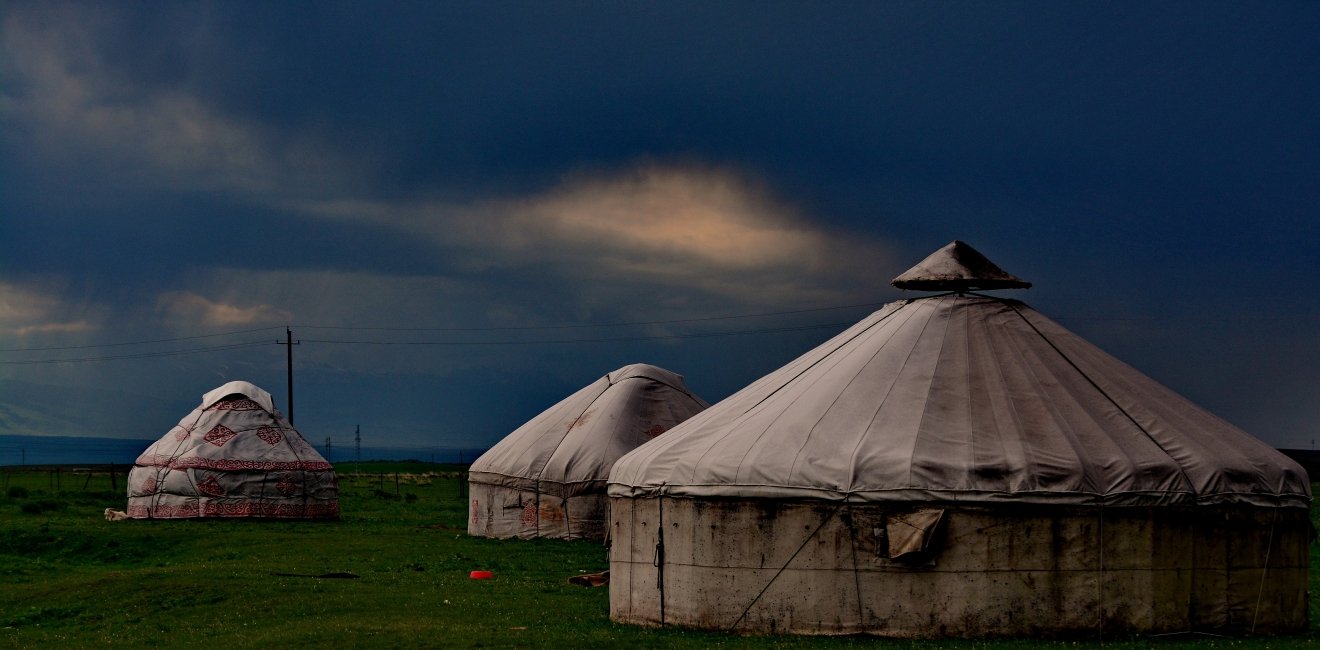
x=68, y=578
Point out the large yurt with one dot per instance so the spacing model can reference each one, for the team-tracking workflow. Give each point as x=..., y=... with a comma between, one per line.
x=547, y=478
x=959, y=465
x=234, y=455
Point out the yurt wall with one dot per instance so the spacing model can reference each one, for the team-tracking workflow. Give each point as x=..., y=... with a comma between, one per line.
x=815, y=567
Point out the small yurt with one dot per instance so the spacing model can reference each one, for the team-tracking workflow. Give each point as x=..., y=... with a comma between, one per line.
x=233, y=456
x=959, y=465
x=547, y=478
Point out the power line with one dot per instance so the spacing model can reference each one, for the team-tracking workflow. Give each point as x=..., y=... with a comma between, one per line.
x=140, y=355
x=148, y=342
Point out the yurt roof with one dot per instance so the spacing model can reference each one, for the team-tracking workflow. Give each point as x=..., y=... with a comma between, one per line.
x=577, y=440
x=965, y=398
x=246, y=433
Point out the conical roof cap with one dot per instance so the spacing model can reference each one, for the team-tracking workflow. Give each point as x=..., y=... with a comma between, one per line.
x=957, y=267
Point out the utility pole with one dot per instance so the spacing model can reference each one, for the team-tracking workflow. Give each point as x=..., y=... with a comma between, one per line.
x=290, y=343
x=357, y=438
x=327, y=449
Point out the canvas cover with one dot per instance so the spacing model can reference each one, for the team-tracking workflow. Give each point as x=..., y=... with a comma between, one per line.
x=964, y=398
x=234, y=455
x=551, y=471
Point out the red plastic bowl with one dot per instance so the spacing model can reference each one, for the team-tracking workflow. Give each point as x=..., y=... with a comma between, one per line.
x=481, y=575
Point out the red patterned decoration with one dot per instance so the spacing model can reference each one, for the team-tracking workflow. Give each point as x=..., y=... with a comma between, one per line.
x=244, y=509
x=270, y=434
x=219, y=435
x=211, y=487
x=197, y=462
x=286, y=486
x=235, y=405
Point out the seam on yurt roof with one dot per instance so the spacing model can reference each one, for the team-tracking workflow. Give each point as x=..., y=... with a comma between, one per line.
x=1028, y=458
x=529, y=433
x=1012, y=347
x=1069, y=434
x=944, y=337
x=1186, y=479
x=756, y=441
x=536, y=475
x=731, y=428
x=852, y=459
x=967, y=391
x=1115, y=446
x=1124, y=382
x=862, y=435
x=827, y=354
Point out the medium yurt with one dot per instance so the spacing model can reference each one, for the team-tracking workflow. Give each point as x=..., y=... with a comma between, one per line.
x=233, y=456
x=547, y=478
x=959, y=465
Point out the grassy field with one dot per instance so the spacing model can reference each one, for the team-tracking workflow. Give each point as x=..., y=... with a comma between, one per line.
x=68, y=578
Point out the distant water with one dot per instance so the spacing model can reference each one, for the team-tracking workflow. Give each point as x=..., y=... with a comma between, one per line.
x=60, y=450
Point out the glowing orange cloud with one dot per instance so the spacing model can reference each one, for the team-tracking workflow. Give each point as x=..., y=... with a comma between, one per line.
x=196, y=309
x=25, y=311
x=675, y=213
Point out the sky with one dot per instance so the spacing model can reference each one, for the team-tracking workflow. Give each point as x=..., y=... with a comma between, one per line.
x=464, y=212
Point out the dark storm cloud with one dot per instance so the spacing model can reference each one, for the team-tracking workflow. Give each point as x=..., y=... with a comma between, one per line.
x=1151, y=167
